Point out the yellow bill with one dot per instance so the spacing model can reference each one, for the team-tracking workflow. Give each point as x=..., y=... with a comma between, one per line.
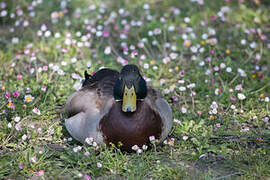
x=129, y=100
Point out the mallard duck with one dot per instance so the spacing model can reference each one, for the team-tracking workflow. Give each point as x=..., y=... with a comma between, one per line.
x=113, y=107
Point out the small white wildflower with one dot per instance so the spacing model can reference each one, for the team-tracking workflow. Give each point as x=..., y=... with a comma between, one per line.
x=94, y=144
x=18, y=127
x=192, y=85
x=15, y=40
x=181, y=81
x=144, y=147
x=152, y=138
x=9, y=125
x=185, y=138
x=253, y=45
x=222, y=65
x=241, y=96
x=177, y=121
x=146, y=66
x=89, y=140
x=73, y=60
x=34, y=159
x=80, y=174
x=139, y=151
x=243, y=42
x=107, y=50
x=24, y=137
x=47, y=33
x=171, y=28
x=99, y=165
x=182, y=88
x=166, y=91
x=202, y=63
x=76, y=149
x=187, y=19
x=229, y=69
x=183, y=110
x=17, y=119
x=57, y=35
x=239, y=87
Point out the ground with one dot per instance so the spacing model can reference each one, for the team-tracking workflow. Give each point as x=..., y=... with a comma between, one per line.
x=210, y=59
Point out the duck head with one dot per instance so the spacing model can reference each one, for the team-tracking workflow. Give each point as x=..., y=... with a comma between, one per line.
x=130, y=87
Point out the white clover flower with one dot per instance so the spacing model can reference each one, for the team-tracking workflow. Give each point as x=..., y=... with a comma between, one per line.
x=241, y=96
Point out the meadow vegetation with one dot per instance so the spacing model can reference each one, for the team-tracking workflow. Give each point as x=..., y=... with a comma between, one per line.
x=209, y=58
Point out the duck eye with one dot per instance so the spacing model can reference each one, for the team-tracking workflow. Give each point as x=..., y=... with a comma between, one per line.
x=131, y=94
x=126, y=94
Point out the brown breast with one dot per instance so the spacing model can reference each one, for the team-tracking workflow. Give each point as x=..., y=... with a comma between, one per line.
x=130, y=128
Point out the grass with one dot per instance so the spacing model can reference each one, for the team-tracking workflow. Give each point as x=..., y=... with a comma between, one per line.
x=203, y=58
